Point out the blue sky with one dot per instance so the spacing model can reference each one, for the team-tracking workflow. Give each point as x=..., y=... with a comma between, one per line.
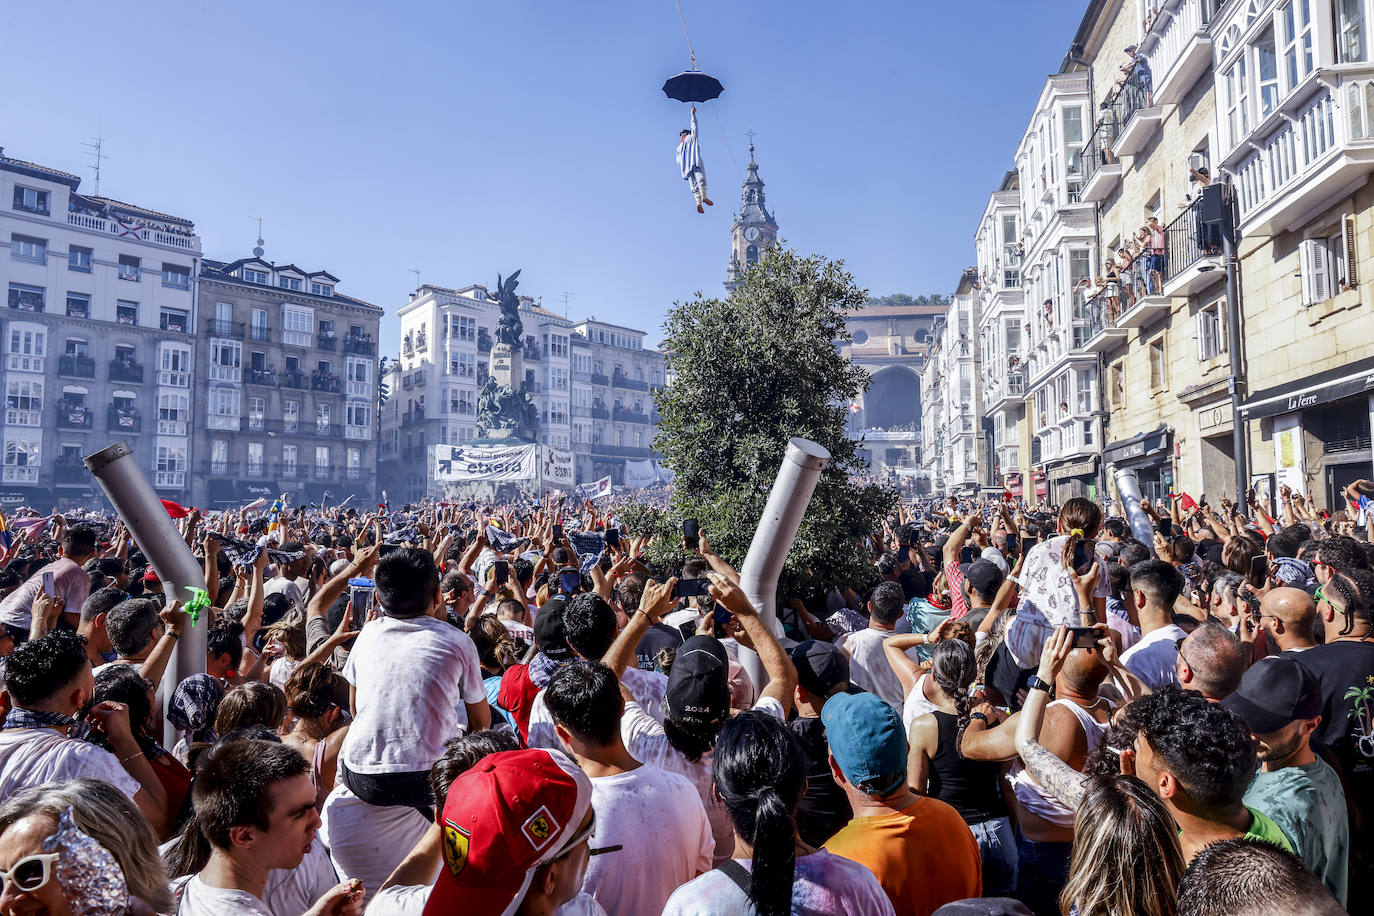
x=466, y=139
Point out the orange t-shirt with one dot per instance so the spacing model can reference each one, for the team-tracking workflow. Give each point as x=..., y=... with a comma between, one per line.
x=924, y=856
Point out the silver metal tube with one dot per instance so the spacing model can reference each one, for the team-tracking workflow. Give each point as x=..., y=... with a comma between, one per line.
x=151, y=527
x=1128, y=488
x=782, y=516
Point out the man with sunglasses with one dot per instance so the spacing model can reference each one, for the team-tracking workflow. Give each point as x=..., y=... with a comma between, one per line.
x=1289, y=617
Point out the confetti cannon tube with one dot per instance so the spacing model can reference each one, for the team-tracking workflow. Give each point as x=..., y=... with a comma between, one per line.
x=147, y=520
x=1128, y=488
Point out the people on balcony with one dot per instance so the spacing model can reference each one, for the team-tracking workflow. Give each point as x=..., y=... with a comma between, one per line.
x=1158, y=263
x=1125, y=264
x=1137, y=71
x=1111, y=290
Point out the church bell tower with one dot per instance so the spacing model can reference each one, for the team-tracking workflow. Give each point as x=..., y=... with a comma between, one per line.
x=754, y=228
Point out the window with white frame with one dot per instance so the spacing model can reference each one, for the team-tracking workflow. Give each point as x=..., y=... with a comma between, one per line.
x=1295, y=20
x=174, y=366
x=290, y=415
x=321, y=289
x=465, y=365
x=219, y=455
x=254, y=276
x=27, y=248
x=288, y=460
x=358, y=413
x=226, y=357
x=26, y=347
x=257, y=413
x=1266, y=73
x=358, y=374
x=1117, y=384
x=1349, y=24
x=1236, y=86
x=22, y=459
x=256, y=465
x=558, y=378
x=171, y=465
x=173, y=412
x=24, y=402
x=558, y=345
x=79, y=259
x=224, y=407
x=466, y=402
x=322, y=459
x=1328, y=263
x=582, y=397
x=1211, y=330
x=323, y=417
x=297, y=325
x=176, y=276
x=26, y=298
x=291, y=283
x=1159, y=372
x=467, y=327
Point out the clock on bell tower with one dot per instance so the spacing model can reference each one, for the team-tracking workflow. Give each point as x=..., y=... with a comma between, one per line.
x=753, y=229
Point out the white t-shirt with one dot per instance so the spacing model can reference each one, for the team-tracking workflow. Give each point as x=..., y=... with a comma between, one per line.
x=289, y=891
x=200, y=899
x=916, y=704
x=1153, y=658
x=409, y=675
x=659, y=821
x=365, y=841
x=647, y=687
x=519, y=630
x=645, y=740
x=34, y=756
x=825, y=885
x=869, y=667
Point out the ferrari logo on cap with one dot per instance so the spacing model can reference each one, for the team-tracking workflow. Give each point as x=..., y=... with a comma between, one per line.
x=455, y=847
x=540, y=828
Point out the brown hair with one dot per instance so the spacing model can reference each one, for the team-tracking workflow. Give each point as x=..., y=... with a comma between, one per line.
x=1080, y=518
x=290, y=632
x=314, y=689
x=254, y=703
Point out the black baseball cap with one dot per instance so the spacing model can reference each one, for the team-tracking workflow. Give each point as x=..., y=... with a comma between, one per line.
x=983, y=576
x=821, y=667
x=1275, y=692
x=698, y=692
x=549, y=634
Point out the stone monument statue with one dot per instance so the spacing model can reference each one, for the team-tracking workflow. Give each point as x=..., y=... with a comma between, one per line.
x=506, y=411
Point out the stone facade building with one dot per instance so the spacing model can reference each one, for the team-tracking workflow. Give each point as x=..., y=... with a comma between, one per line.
x=288, y=393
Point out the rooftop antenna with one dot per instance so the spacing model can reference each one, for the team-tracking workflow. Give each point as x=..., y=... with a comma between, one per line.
x=416, y=272
x=258, y=251
x=566, y=296
x=95, y=145
x=750, y=133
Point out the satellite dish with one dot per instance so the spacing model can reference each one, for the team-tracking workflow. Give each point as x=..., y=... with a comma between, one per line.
x=257, y=252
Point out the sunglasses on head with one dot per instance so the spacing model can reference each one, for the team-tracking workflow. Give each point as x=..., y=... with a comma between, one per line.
x=31, y=872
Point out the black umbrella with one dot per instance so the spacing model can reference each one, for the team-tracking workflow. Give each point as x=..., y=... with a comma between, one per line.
x=693, y=86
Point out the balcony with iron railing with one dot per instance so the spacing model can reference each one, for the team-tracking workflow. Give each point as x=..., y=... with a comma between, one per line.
x=360, y=346
x=76, y=366
x=216, y=327
x=265, y=376
x=619, y=451
x=626, y=415
x=73, y=416
x=260, y=332
x=1101, y=166
x=327, y=342
x=295, y=380
x=220, y=468
x=599, y=379
x=412, y=417
x=1139, y=117
x=1178, y=47
x=624, y=381
x=325, y=381
x=123, y=420
x=1193, y=260
x=126, y=370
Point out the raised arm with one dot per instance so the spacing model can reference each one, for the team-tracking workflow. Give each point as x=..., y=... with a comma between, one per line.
x=653, y=604
x=782, y=674
x=1054, y=775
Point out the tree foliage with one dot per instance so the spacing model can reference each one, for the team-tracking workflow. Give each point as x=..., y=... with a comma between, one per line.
x=905, y=301
x=748, y=373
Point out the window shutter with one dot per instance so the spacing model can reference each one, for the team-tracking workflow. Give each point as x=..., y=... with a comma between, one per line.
x=1321, y=271
x=1199, y=328
x=1352, y=276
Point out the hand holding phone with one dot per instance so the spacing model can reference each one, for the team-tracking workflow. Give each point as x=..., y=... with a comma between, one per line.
x=49, y=586
x=501, y=571
x=691, y=588
x=362, y=593
x=691, y=533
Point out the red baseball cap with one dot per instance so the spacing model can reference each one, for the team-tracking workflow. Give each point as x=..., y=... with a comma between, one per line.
x=511, y=813
x=151, y=575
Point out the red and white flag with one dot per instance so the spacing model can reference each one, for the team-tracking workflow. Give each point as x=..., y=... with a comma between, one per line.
x=597, y=489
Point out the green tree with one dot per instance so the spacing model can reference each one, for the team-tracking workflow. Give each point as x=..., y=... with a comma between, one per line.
x=748, y=373
x=905, y=301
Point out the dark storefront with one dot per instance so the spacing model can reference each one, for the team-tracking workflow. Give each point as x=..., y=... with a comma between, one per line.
x=1149, y=455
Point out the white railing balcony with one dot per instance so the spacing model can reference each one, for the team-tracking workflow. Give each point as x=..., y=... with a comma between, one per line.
x=21, y=475
x=358, y=432
x=174, y=479
x=132, y=229
x=1314, y=155
x=1178, y=47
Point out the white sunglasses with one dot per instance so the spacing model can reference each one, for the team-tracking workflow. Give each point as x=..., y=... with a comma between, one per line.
x=31, y=872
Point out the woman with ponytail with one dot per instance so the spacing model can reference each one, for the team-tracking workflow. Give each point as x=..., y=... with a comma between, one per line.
x=1048, y=599
x=757, y=774
x=936, y=768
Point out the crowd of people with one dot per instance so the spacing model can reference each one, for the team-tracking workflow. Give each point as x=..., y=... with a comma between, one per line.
x=513, y=709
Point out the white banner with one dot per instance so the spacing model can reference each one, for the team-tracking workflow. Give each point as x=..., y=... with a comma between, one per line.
x=486, y=462
x=558, y=468
x=595, y=490
x=639, y=474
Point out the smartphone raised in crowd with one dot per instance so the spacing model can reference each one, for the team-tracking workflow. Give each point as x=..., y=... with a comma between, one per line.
x=1083, y=556
x=967, y=555
x=49, y=587
x=558, y=532
x=1259, y=568
x=1084, y=637
x=502, y=571
x=362, y=593
x=691, y=533
x=691, y=588
x=903, y=553
x=569, y=580
x=613, y=538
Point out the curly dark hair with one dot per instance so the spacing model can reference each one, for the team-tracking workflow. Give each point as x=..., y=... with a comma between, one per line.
x=590, y=625
x=1355, y=589
x=1205, y=745
x=41, y=667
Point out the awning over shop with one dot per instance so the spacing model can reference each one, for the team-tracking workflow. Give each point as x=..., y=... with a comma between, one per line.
x=1135, y=447
x=1331, y=385
x=1077, y=469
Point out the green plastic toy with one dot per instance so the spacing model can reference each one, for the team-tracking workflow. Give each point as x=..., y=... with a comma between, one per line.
x=200, y=599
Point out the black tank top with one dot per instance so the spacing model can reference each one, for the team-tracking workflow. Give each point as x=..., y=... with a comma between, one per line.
x=968, y=786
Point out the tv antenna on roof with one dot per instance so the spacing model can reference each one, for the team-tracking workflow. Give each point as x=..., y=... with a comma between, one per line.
x=95, y=145
x=566, y=296
x=416, y=272
x=258, y=251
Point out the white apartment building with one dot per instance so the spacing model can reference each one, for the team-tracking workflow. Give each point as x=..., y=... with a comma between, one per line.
x=952, y=433
x=446, y=341
x=1001, y=322
x=99, y=336
x=1058, y=254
